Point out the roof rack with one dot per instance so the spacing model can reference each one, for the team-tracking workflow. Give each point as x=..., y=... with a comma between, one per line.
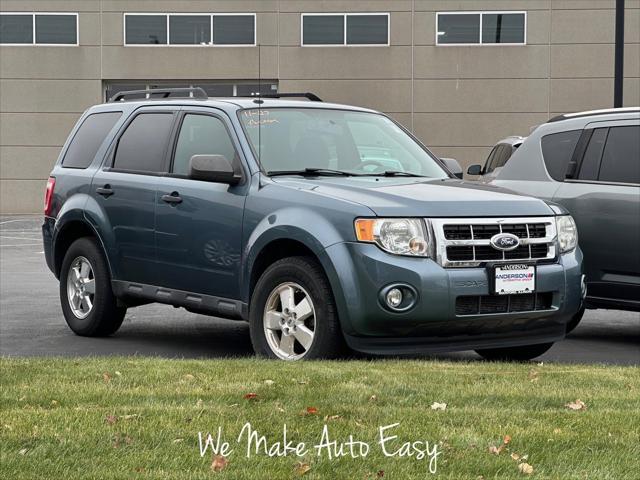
x=308, y=95
x=162, y=92
x=591, y=113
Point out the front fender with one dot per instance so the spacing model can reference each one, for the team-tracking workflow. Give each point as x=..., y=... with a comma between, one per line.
x=292, y=223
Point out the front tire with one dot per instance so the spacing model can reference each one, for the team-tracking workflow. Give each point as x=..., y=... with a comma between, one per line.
x=515, y=354
x=292, y=315
x=88, y=303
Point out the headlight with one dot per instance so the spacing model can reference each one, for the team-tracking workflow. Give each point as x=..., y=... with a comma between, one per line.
x=567, y=233
x=400, y=236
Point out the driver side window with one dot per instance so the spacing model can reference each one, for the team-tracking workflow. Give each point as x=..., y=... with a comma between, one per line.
x=201, y=135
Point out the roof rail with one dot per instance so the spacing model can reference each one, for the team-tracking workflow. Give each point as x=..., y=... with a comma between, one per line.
x=164, y=92
x=308, y=95
x=591, y=113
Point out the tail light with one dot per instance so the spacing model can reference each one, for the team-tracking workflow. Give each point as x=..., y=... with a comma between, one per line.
x=48, y=195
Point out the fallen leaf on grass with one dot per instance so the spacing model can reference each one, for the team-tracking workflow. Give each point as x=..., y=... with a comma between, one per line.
x=250, y=396
x=178, y=440
x=332, y=417
x=557, y=431
x=111, y=419
x=373, y=398
x=118, y=374
x=515, y=456
x=301, y=468
x=23, y=451
x=311, y=411
x=525, y=468
x=219, y=463
x=496, y=450
x=269, y=382
x=534, y=376
x=106, y=377
x=380, y=474
x=199, y=403
x=577, y=405
x=129, y=417
x=438, y=406
x=189, y=377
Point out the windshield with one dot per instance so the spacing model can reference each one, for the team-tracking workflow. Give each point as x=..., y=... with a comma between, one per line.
x=358, y=143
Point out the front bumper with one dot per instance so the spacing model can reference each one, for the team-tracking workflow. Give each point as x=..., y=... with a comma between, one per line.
x=361, y=270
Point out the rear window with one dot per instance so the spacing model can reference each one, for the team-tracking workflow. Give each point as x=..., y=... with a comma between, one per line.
x=143, y=145
x=88, y=138
x=557, y=150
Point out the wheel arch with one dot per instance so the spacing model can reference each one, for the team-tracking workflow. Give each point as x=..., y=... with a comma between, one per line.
x=70, y=231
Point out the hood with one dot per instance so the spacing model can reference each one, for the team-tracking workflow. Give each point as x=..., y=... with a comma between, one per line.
x=419, y=197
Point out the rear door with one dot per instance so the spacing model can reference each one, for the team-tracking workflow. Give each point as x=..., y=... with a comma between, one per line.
x=199, y=236
x=125, y=190
x=603, y=195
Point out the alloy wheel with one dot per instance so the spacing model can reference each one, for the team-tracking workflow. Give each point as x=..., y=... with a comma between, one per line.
x=81, y=287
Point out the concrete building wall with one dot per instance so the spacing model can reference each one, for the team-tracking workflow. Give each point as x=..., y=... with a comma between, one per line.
x=458, y=99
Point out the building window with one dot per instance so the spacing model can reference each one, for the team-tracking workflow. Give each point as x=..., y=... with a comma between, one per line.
x=177, y=29
x=344, y=29
x=481, y=28
x=41, y=28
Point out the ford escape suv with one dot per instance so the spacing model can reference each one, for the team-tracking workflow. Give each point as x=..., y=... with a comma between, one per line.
x=325, y=226
x=589, y=162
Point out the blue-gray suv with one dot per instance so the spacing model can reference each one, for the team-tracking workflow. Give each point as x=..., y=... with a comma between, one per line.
x=325, y=226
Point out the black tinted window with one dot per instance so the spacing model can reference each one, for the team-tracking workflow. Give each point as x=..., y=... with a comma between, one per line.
x=503, y=28
x=145, y=29
x=189, y=29
x=459, y=28
x=233, y=30
x=16, y=28
x=323, y=30
x=88, y=138
x=593, y=154
x=143, y=144
x=367, y=30
x=56, y=29
x=557, y=150
x=201, y=135
x=621, y=156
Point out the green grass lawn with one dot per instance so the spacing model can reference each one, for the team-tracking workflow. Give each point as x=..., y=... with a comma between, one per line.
x=109, y=418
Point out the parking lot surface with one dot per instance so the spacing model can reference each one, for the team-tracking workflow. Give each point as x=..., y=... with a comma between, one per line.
x=31, y=321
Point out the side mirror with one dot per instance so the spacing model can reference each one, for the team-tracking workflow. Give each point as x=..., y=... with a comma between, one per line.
x=453, y=166
x=212, y=168
x=474, y=170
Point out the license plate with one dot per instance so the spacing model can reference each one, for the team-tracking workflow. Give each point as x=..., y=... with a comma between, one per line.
x=514, y=279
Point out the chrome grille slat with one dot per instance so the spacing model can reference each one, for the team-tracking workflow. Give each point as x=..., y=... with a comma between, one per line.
x=467, y=240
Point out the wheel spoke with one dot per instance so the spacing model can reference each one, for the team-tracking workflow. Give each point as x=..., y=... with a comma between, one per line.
x=90, y=286
x=303, y=310
x=86, y=303
x=286, y=344
x=75, y=300
x=304, y=336
x=272, y=320
x=286, y=297
x=76, y=273
x=85, y=268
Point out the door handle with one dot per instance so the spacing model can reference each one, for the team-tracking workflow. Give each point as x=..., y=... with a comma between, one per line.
x=105, y=191
x=173, y=199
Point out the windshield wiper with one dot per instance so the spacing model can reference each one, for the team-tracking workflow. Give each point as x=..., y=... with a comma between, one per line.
x=394, y=173
x=311, y=172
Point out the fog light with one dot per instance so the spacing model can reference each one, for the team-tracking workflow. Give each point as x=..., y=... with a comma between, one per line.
x=394, y=297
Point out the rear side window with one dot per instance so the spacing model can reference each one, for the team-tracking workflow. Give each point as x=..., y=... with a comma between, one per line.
x=557, y=150
x=621, y=156
x=143, y=145
x=88, y=138
x=201, y=135
x=593, y=154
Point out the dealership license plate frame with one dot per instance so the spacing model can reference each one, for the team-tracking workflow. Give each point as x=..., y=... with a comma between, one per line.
x=527, y=267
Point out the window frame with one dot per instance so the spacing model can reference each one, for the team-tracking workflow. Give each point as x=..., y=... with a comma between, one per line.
x=189, y=14
x=173, y=146
x=344, y=33
x=480, y=43
x=33, y=29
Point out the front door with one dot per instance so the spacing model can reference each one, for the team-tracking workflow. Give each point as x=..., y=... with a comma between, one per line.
x=199, y=223
x=604, y=199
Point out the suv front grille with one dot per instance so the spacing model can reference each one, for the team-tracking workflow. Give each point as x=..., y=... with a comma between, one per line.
x=467, y=242
x=489, y=304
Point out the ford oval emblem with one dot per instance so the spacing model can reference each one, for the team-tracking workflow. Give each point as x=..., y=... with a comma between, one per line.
x=505, y=241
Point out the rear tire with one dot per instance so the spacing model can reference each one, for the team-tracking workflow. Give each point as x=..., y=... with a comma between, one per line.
x=292, y=315
x=575, y=320
x=87, y=301
x=515, y=354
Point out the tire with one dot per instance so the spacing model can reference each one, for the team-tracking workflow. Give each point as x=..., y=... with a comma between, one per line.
x=516, y=354
x=575, y=320
x=103, y=317
x=285, y=336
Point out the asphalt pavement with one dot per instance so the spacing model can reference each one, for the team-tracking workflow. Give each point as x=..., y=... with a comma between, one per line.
x=32, y=324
